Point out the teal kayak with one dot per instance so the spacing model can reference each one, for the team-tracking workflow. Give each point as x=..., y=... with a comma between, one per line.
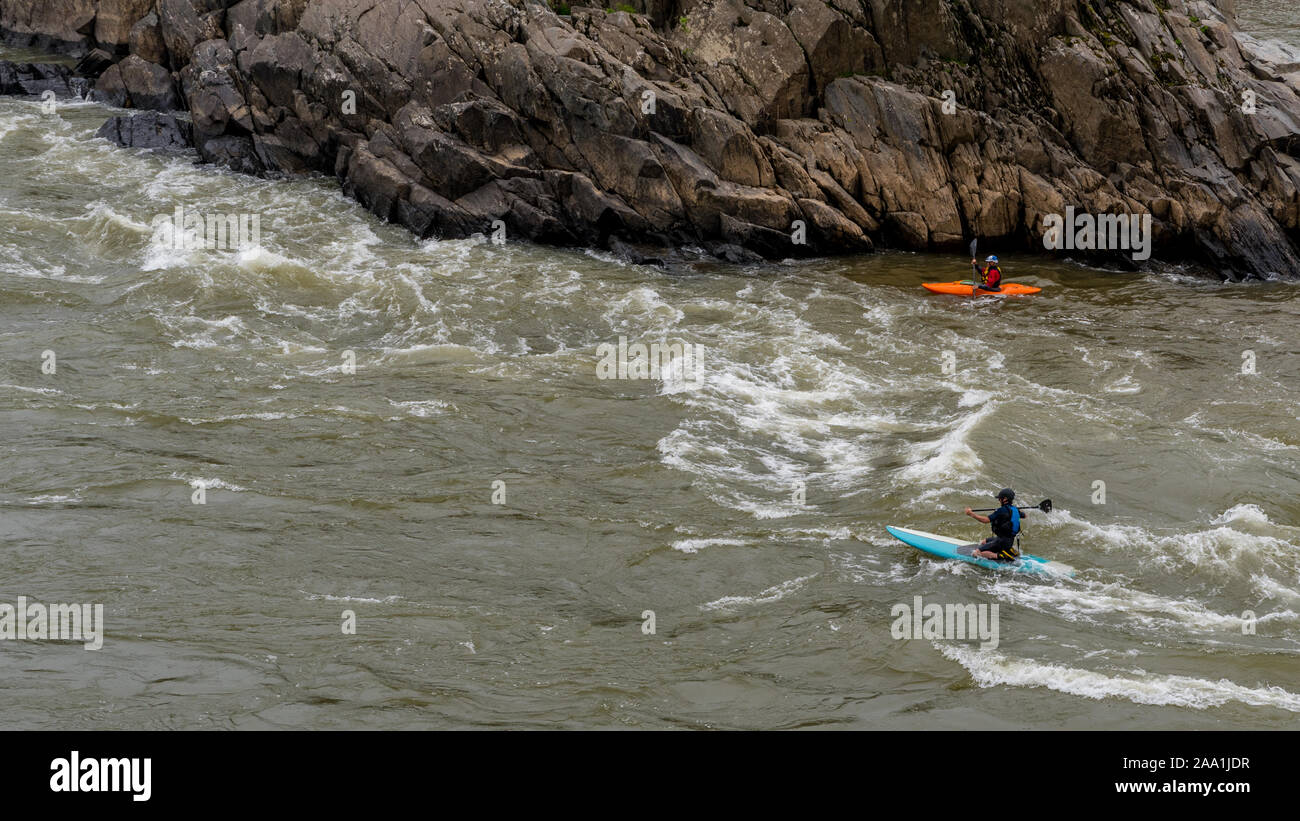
x=943, y=547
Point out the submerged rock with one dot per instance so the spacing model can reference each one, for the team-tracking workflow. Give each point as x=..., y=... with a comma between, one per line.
x=34, y=79
x=148, y=129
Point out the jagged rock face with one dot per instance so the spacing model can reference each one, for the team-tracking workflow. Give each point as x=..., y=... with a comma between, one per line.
x=145, y=40
x=48, y=22
x=742, y=126
x=114, y=19
x=139, y=84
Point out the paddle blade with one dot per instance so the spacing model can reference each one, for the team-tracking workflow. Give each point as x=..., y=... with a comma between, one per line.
x=1046, y=506
x=974, y=246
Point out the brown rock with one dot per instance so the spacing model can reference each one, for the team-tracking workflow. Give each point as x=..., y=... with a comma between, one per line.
x=183, y=27
x=137, y=84
x=912, y=122
x=115, y=18
x=146, y=40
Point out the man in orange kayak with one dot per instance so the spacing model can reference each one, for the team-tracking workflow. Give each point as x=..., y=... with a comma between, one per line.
x=990, y=279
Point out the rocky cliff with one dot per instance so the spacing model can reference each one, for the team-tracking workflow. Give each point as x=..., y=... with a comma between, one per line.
x=727, y=124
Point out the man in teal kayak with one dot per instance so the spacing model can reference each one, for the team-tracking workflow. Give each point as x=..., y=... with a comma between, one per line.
x=989, y=279
x=1001, y=546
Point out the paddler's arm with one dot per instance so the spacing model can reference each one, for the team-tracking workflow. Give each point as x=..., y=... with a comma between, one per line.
x=981, y=519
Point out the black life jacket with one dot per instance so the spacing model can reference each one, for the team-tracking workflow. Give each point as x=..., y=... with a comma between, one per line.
x=1010, y=527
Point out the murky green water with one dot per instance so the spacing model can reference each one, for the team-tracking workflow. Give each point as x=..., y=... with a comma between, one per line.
x=372, y=491
x=23, y=54
x=1269, y=18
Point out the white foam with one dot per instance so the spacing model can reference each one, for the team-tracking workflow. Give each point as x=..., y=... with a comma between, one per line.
x=643, y=311
x=261, y=258
x=266, y=416
x=1125, y=384
x=949, y=459
x=1247, y=514
x=991, y=669
x=104, y=213
x=52, y=272
x=815, y=533
x=51, y=499
x=771, y=594
x=1269, y=588
x=204, y=331
x=1220, y=549
x=434, y=352
x=161, y=257
x=696, y=545
x=25, y=389
x=421, y=407
x=1102, y=603
x=200, y=482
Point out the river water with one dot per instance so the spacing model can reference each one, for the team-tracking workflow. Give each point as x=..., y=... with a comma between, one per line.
x=1269, y=19
x=499, y=520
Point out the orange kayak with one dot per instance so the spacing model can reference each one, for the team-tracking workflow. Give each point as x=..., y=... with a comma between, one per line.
x=964, y=289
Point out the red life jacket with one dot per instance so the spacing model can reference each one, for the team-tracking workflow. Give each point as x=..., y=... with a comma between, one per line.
x=992, y=276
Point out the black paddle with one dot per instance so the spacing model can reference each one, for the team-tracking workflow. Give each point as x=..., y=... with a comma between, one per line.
x=974, y=283
x=1045, y=506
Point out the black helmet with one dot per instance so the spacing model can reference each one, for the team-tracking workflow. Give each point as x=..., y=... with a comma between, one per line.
x=1006, y=493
